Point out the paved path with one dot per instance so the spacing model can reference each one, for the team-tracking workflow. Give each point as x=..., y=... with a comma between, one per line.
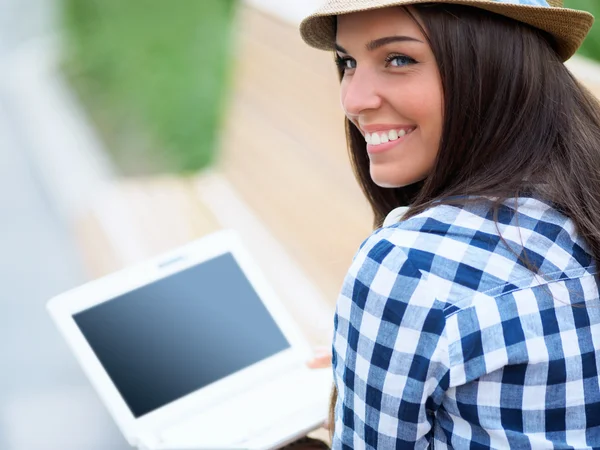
x=46, y=402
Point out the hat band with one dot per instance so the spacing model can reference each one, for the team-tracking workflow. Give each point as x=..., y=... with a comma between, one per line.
x=543, y=3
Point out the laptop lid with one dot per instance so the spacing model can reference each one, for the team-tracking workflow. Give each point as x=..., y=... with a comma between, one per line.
x=177, y=334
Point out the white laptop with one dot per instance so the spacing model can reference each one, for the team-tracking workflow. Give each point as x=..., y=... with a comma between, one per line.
x=193, y=350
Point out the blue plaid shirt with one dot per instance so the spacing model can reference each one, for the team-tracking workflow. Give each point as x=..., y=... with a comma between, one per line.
x=444, y=338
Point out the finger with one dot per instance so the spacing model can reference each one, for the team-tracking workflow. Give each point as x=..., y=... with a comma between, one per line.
x=319, y=363
x=320, y=360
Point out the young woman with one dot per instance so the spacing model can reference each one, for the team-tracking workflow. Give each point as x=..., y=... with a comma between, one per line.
x=474, y=320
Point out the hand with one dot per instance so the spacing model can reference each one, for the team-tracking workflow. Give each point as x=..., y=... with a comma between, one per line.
x=321, y=359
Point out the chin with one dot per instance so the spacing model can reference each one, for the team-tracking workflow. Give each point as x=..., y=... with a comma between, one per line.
x=388, y=185
x=393, y=182
x=385, y=179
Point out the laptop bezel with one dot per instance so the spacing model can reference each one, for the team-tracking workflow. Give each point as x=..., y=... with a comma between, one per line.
x=63, y=307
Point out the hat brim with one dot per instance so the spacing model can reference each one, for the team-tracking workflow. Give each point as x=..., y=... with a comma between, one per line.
x=569, y=27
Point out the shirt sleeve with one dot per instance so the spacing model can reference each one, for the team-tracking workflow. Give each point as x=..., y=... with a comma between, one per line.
x=390, y=350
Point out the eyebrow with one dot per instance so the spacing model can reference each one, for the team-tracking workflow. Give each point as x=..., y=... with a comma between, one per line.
x=377, y=43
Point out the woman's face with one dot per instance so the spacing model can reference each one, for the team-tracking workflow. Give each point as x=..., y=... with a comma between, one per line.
x=391, y=90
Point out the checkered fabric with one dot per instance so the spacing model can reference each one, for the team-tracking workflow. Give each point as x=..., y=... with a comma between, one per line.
x=445, y=338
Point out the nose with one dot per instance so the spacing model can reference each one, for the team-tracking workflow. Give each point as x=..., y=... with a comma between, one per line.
x=359, y=93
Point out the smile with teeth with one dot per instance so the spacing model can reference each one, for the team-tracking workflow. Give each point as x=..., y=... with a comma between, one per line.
x=383, y=137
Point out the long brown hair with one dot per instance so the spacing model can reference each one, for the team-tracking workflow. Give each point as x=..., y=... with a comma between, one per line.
x=515, y=121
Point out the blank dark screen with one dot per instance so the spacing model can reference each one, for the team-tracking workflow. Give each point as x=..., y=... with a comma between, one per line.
x=181, y=333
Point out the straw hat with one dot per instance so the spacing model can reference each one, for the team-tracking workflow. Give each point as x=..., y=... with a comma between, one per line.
x=568, y=26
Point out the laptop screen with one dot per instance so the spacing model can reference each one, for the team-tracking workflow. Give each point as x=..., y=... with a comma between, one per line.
x=172, y=337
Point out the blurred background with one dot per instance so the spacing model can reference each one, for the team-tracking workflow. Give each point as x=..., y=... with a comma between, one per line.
x=130, y=127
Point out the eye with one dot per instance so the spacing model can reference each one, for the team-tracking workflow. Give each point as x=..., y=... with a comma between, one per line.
x=399, y=60
x=345, y=63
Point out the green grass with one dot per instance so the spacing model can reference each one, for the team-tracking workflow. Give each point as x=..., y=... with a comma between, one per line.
x=591, y=45
x=152, y=74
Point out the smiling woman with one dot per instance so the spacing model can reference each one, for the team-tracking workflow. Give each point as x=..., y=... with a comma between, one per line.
x=473, y=320
x=395, y=100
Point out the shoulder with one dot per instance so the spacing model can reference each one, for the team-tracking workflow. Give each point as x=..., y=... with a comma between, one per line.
x=438, y=230
x=474, y=247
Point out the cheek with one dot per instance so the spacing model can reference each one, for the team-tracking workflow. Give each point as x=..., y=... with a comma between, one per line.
x=425, y=110
x=422, y=104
